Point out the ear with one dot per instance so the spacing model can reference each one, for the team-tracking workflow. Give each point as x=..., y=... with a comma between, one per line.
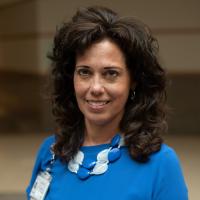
x=133, y=85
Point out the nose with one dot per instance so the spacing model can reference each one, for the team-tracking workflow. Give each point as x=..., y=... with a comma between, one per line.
x=96, y=87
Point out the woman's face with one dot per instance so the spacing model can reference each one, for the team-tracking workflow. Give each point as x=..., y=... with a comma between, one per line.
x=102, y=83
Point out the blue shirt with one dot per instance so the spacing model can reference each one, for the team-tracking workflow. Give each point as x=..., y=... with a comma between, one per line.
x=160, y=178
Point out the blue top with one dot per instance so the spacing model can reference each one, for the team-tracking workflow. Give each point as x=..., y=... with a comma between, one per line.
x=160, y=178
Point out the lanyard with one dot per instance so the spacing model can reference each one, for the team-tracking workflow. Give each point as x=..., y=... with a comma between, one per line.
x=52, y=161
x=42, y=182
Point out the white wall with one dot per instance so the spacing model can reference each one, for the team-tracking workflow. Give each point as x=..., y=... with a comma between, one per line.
x=176, y=24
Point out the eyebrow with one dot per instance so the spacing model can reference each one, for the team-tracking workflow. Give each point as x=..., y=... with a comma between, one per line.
x=84, y=66
x=112, y=67
x=108, y=67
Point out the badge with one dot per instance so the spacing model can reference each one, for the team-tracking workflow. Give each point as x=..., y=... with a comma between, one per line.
x=40, y=186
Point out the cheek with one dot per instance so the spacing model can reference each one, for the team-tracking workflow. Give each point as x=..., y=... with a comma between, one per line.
x=79, y=88
x=120, y=93
x=78, y=91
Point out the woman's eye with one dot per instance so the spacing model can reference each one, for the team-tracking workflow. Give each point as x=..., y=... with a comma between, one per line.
x=111, y=73
x=83, y=72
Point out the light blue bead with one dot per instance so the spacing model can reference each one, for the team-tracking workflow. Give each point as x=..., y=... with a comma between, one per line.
x=88, y=163
x=83, y=173
x=114, y=154
x=115, y=141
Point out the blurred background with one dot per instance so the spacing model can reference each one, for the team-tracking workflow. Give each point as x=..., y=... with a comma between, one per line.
x=27, y=28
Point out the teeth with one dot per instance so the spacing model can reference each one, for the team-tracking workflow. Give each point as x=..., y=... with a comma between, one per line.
x=97, y=103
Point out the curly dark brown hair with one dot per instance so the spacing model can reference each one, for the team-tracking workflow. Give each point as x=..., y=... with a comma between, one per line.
x=144, y=118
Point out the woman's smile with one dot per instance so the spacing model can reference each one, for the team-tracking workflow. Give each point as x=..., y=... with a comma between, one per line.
x=97, y=105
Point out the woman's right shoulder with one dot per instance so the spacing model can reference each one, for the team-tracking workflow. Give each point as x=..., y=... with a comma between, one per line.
x=45, y=147
x=43, y=159
x=48, y=141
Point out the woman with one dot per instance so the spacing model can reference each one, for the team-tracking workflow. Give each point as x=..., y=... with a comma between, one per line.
x=109, y=102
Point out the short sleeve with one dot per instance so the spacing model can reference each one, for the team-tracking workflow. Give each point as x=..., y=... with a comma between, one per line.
x=170, y=182
x=42, y=159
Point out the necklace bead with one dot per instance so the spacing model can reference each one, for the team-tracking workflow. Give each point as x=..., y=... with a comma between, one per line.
x=85, y=167
x=100, y=168
x=83, y=173
x=89, y=164
x=115, y=141
x=114, y=154
x=103, y=155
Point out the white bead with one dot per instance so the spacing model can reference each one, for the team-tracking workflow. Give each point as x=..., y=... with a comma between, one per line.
x=79, y=157
x=103, y=155
x=100, y=168
x=122, y=142
x=73, y=166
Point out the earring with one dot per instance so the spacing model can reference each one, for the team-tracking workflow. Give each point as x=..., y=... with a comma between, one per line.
x=132, y=93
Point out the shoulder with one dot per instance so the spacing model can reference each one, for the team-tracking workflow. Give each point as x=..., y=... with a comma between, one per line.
x=44, y=154
x=166, y=153
x=169, y=180
x=168, y=165
x=48, y=142
x=42, y=159
x=167, y=162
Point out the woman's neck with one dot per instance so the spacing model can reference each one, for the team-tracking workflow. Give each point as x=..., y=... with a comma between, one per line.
x=99, y=134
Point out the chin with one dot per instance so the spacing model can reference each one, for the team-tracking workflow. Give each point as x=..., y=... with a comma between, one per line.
x=99, y=119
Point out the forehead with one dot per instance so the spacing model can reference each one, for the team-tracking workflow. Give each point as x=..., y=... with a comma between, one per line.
x=102, y=53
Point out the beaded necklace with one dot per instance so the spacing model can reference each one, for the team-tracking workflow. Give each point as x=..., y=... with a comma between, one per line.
x=85, y=168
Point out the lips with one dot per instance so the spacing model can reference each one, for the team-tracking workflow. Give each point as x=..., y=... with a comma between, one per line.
x=97, y=105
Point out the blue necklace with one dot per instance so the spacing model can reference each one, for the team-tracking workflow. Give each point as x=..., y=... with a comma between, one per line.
x=85, y=168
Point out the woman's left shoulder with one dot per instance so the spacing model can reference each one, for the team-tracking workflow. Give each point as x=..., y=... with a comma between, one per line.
x=169, y=175
x=166, y=152
x=167, y=160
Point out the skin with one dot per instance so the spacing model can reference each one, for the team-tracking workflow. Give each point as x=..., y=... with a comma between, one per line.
x=102, y=83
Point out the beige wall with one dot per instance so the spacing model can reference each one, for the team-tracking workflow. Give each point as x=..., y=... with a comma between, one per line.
x=27, y=30
x=19, y=52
